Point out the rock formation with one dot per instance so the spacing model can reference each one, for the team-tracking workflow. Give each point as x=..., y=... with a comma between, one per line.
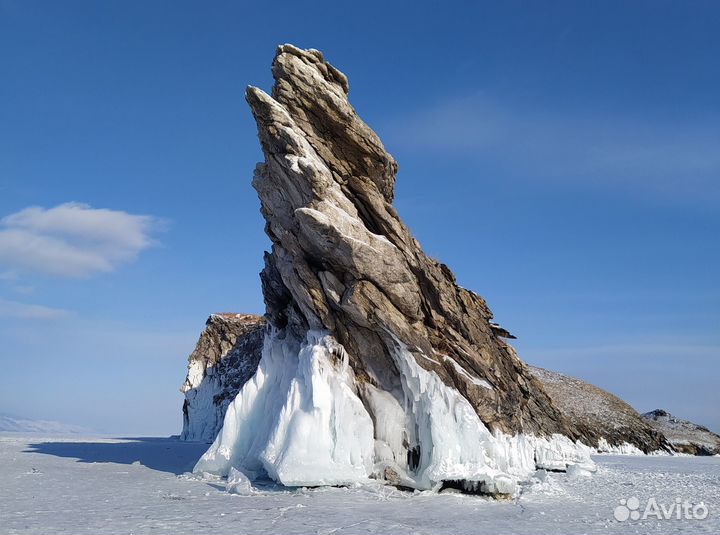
x=376, y=363
x=229, y=352
x=685, y=436
x=605, y=421
x=225, y=357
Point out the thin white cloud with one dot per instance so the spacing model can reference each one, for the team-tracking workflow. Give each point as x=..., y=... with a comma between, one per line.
x=15, y=310
x=73, y=239
x=576, y=148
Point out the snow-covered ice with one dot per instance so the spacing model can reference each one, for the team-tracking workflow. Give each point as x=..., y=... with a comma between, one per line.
x=99, y=485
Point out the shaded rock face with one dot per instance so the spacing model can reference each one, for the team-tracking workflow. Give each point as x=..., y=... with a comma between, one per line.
x=685, y=437
x=343, y=262
x=225, y=357
x=605, y=421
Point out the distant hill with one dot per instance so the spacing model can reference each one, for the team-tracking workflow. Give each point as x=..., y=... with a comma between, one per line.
x=607, y=422
x=685, y=436
x=23, y=425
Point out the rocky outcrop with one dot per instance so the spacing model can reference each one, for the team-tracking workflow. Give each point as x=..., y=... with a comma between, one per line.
x=225, y=357
x=685, y=436
x=368, y=335
x=343, y=261
x=606, y=422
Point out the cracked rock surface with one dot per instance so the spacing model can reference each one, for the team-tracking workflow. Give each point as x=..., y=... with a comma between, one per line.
x=342, y=260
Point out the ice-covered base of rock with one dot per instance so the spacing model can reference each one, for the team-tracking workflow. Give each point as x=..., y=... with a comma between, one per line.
x=290, y=421
x=301, y=421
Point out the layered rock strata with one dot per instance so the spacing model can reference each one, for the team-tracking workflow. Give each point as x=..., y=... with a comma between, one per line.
x=376, y=363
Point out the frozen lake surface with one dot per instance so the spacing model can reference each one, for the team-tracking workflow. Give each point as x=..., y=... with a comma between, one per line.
x=137, y=485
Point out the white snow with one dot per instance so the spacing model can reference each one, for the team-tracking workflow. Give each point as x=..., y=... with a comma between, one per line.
x=91, y=486
x=576, y=470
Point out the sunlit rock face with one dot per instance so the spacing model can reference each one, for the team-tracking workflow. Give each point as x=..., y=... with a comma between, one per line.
x=375, y=363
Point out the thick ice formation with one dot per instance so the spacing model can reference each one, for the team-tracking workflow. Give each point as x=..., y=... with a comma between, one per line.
x=620, y=449
x=300, y=421
x=454, y=445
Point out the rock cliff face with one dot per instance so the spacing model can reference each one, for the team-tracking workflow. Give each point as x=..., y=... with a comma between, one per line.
x=606, y=422
x=685, y=436
x=226, y=356
x=344, y=262
x=377, y=363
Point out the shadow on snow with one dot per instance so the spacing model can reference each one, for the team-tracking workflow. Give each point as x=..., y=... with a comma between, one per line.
x=157, y=453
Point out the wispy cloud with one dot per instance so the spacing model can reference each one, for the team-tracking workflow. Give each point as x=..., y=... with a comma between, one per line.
x=73, y=239
x=15, y=310
x=570, y=147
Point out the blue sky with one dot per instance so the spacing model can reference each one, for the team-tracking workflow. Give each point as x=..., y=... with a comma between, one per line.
x=561, y=157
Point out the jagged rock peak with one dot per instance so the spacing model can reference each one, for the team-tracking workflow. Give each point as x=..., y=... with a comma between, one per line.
x=314, y=94
x=343, y=260
x=364, y=326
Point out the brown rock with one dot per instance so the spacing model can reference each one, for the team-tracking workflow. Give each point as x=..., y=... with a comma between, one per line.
x=343, y=261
